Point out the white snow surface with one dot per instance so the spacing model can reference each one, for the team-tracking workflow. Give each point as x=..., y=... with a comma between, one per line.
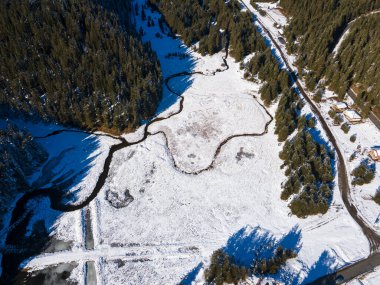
x=367, y=137
x=168, y=232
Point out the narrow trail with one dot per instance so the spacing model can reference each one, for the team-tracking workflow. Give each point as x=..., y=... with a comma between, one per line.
x=346, y=31
x=57, y=132
x=55, y=196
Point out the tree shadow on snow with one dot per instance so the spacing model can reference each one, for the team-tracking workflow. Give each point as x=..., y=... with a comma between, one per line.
x=249, y=245
x=252, y=244
x=174, y=56
x=190, y=277
x=32, y=225
x=324, y=266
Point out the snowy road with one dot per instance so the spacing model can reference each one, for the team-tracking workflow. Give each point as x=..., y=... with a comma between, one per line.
x=344, y=185
x=133, y=253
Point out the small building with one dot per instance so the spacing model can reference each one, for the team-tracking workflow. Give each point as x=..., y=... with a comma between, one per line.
x=374, y=154
x=352, y=116
x=339, y=107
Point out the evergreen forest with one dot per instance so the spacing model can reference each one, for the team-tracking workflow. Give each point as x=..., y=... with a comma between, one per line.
x=76, y=62
x=314, y=32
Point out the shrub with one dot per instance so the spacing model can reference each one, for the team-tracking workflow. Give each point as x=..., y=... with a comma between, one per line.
x=262, y=12
x=332, y=114
x=223, y=269
x=363, y=174
x=318, y=97
x=338, y=119
x=311, y=123
x=376, y=198
x=345, y=128
x=353, y=138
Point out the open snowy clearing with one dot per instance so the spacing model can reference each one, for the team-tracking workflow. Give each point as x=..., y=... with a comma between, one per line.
x=176, y=220
x=154, y=224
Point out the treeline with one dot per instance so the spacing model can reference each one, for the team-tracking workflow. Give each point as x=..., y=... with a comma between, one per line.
x=309, y=174
x=355, y=61
x=20, y=156
x=78, y=62
x=314, y=31
x=308, y=163
x=224, y=269
x=264, y=65
x=212, y=23
x=273, y=264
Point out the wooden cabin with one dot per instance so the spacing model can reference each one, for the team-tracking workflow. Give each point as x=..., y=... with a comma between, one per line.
x=340, y=107
x=352, y=116
x=374, y=154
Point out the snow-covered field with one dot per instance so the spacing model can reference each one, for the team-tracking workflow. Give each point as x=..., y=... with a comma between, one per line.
x=367, y=137
x=168, y=231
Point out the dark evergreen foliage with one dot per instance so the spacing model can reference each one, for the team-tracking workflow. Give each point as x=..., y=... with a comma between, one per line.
x=376, y=198
x=77, y=62
x=273, y=264
x=224, y=270
x=210, y=22
x=315, y=29
x=287, y=115
x=363, y=174
x=310, y=174
x=345, y=127
x=267, y=69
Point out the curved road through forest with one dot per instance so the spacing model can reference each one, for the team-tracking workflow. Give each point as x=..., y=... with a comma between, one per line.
x=363, y=266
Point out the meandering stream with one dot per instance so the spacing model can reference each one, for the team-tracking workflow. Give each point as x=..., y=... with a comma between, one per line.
x=55, y=195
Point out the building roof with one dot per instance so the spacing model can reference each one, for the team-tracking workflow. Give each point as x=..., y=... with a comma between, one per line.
x=352, y=114
x=341, y=105
x=376, y=152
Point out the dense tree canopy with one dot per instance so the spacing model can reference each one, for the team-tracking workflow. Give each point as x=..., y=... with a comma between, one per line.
x=314, y=31
x=20, y=156
x=76, y=62
x=310, y=174
x=212, y=23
